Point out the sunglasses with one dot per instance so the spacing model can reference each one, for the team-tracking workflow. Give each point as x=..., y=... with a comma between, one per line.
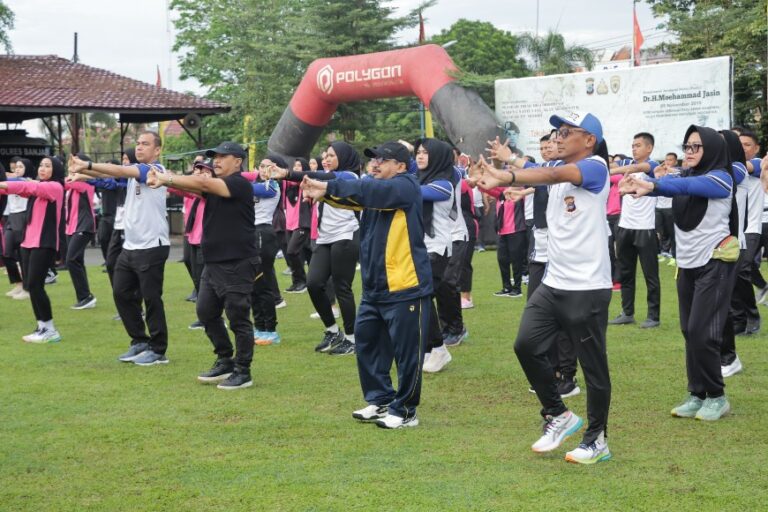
x=692, y=148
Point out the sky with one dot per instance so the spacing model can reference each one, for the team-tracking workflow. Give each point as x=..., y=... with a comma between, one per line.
x=133, y=38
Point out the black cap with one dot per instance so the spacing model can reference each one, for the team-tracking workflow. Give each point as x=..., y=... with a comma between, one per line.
x=227, y=148
x=390, y=151
x=205, y=164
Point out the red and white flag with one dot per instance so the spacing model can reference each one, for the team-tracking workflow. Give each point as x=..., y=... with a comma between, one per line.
x=637, y=37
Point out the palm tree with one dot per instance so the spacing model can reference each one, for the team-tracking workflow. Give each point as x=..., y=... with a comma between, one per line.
x=551, y=55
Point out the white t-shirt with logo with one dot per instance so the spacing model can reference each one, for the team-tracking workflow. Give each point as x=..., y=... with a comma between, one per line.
x=577, y=234
x=638, y=212
x=144, y=216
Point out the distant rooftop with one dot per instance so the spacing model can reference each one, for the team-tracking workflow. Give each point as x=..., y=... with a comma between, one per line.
x=35, y=86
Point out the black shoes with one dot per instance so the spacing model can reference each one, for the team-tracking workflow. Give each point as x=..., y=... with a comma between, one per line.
x=238, y=380
x=221, y=369
x=622, y=319
x=344, y=348
x=330, y=341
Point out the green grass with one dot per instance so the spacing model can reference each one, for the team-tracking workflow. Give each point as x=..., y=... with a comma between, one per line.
x=81, y=431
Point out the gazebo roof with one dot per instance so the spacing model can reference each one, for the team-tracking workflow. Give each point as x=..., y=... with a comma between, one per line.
x=35, y=86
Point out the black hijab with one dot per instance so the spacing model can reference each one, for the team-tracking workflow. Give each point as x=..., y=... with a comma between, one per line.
x=59, y=173
x=439, y=167
x=735, y=149
x=29, y=168
x=131, y=154
x=349, y=160
x=688, y=211
x=292, y=193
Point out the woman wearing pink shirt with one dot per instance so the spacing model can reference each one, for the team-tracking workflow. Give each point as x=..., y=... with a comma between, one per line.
x=80, y=229
x=512, y=242
x=41, y=239
x=194, y=209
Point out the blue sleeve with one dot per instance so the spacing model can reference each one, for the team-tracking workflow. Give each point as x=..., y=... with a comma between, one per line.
x=15, y=179
x=265, y=189
x=739, y=172
x=394, y=193
x=713, y=185
x=654, y=164
x=594, y=175
x=437, y=191
x=104, y=183
x=755, y=167
x=143, y=171
x=530, y=165
x=412, y=167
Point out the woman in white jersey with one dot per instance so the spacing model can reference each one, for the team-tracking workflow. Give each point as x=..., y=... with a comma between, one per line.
x=434, y=159
x=13, y=231
x=266, y=195
x=336, y=250
x=706, y=227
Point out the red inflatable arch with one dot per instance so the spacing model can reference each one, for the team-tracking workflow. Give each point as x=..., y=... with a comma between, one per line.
x=421, y=71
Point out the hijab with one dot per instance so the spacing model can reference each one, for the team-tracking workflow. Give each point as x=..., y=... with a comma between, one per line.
x=439, y=167
x=131, y=154
x=30, y=171
x=292, y=193
x=349, y=160
x=688, y=211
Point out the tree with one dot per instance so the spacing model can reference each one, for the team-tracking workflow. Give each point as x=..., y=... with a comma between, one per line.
x=255, y=60
x=7, y=19
x=552, y=56
x=710, y=28
x=483, y=53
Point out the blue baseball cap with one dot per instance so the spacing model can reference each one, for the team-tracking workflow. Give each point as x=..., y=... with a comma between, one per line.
x=583, y=120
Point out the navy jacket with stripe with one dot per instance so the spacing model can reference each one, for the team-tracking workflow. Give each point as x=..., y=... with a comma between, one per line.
x=393, y=258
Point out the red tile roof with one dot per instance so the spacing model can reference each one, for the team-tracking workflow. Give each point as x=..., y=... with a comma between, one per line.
x=34, y=86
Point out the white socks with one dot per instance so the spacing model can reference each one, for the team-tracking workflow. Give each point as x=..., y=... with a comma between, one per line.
x=350, y=338
x=334, y=328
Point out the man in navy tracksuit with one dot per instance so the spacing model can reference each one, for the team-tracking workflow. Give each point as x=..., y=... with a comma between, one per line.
x=393, y=318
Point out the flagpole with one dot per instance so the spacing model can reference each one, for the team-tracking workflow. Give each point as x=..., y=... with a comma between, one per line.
x=632, y=55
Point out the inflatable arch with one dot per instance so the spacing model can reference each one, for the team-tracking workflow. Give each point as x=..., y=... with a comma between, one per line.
x=422, y=71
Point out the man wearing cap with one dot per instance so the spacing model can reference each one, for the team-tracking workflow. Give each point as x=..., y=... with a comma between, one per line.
x=140, y=268
x=574, y=294
x=231, y=262
x=393, y=316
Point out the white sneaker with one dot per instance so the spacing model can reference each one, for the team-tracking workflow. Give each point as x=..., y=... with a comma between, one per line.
x=43, y=336
x=14, y=291
x=316, y=315
x=467, y=304
x=391, y=421
x=281, y=304
x=371, y=413
x=596, y=451
x=556, y=430
x=732, y=369
x=22, y=295
x=32, y=337
x=437, y=360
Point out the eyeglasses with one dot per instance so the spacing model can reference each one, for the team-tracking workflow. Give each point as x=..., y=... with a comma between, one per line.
x=379, y=160
x=564, y=131
x=692, y=148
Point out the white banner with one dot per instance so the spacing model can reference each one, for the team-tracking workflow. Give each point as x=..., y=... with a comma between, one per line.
x=663, y=99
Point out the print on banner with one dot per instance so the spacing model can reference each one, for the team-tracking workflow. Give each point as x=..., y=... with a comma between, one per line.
x=663, y=99
x=325, y=79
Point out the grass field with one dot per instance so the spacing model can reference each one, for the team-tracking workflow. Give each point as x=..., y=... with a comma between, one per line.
x=81, y=431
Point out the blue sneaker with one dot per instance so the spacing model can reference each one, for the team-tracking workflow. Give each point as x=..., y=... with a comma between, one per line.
x=258, y=334
x=149, y=358
x=133, y=352
x=268, y=338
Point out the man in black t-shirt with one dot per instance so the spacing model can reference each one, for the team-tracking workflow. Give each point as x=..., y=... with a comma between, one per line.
x=231, y=262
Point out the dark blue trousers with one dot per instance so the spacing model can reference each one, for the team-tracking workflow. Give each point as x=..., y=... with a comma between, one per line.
x=387, y=332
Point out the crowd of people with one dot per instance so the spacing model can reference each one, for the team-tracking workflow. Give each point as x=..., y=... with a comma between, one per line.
x=571, y=227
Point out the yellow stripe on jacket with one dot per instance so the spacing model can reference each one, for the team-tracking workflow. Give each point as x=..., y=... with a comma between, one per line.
x=398, y=260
